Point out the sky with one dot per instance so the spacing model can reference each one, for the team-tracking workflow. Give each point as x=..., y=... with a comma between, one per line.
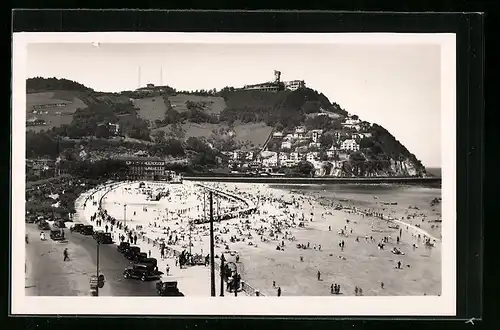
x=395, y=86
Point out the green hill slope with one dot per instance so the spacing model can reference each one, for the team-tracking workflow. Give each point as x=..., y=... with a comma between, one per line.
x=227, y=120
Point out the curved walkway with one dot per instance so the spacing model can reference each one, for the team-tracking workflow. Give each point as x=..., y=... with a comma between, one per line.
x=192, y=281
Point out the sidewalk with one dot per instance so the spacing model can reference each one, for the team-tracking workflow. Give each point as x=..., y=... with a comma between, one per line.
x=192, y=281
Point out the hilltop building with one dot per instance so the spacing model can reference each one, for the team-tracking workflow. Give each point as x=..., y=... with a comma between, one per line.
x=275, y=86
x=294, y=84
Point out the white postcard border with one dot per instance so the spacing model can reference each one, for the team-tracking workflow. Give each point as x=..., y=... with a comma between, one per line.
x=282, y=306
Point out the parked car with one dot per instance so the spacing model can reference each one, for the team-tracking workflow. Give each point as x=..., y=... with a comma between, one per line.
x=132, y=251
x=142, y=272
x=59, y=224
x=168, y=289
x=87, y=230
x=76, y=228
x=105, y=238
x=150, y=261
x=140, y=257
x=30, y=219
x=56, y=235
x=43, y=225
x=97, y=233
x=123, y=247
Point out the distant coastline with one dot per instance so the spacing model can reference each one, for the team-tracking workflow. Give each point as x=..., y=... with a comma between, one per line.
x=435, y=171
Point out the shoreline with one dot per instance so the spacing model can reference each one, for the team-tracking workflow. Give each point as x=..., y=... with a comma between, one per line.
x=200, y=241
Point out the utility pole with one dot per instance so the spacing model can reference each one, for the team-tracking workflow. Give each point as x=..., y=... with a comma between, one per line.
x=125, y=214
x=222, y=259
x=204, y=207
x=190, y=230
x=212, y=256
x=97, y=262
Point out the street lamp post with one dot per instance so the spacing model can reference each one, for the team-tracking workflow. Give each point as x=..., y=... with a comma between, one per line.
x=97, y=262
x=125, y=214
x=212, y=256
x=222, y=259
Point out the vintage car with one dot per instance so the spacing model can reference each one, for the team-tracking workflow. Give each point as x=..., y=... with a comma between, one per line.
x=123, y=247
x=142, y=272
x=97, y=233
x=150, y=261
x=168, y=288
x=140, y=257
x=87, y=230
x=56, y=235
x=76, y=228
x=131, y=252
x=104, y=238
x=43, y=225
x=59, y=224
x=30, y=218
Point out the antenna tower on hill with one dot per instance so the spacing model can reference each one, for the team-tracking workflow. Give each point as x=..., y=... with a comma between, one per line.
x=139, y=77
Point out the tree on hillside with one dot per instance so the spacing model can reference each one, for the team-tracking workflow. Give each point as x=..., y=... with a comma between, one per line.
x=40, y=145
x=305, y=168
x=366, y=143
x=158, y=136
x=326, y=140
x=49, y=84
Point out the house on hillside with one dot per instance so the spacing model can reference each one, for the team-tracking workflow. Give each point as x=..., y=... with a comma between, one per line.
x=332, y=151
x=286, y=145
x=352, y=123
x=316, y=135
x=283, y=156
x=314, y=145
x=349, y=145
x=278, y=134
x=312, y=156
x=271, y=161
x=300, y=130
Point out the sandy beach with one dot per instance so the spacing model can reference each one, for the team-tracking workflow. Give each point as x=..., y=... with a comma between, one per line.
x=291, y=215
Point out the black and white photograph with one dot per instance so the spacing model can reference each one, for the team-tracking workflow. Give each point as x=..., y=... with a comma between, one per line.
x=234, y=174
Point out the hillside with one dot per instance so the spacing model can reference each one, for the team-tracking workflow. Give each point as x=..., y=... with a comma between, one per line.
x=302, y=126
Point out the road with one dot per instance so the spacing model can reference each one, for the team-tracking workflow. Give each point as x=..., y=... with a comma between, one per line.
x=111, y=264
x=48, y=275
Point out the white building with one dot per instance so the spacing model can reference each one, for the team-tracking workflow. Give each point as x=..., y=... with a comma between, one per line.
x=314, y=145
x=294, y=84
x=278, y=134
x=286, y=145
x=300, y=130
x=270, y=161
x=283, y=156
x=349, y=145
x=332, y=151
x=294, y=156
x=316, y=135
x=312, y=156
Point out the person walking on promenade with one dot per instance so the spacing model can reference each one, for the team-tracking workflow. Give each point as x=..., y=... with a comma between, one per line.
x=106, y=228
x=149, y=253
x=135, y=239
x=66, y=255
x=319, y=275
x=399, y=264
x=382, y=285
x=279, y=291
x=167, y=269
